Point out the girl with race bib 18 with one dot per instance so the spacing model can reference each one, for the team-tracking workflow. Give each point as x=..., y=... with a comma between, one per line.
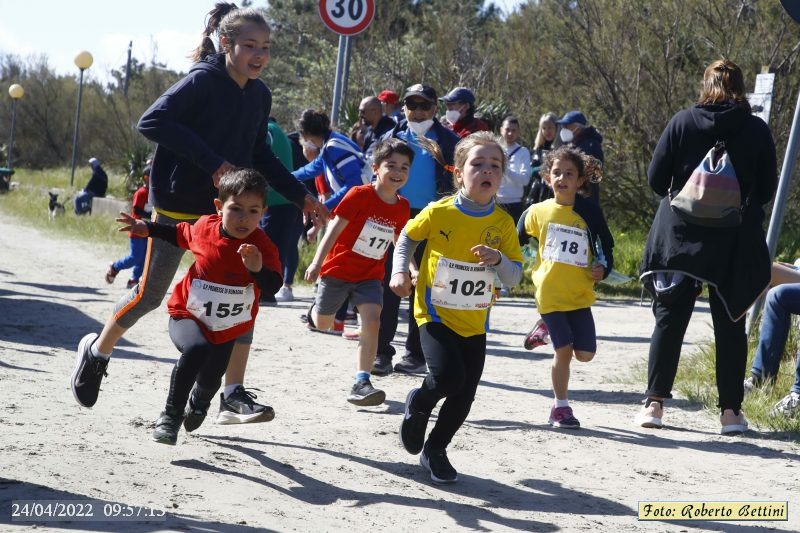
x=469, y=239
x=575, y=251
x=217, y=300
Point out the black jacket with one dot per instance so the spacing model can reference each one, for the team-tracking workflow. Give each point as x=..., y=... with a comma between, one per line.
x=374, y=134
x=733, y=260
x=98, y=183
x=201, y=121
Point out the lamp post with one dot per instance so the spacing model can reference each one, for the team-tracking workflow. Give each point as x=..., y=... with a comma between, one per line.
x=16, y=92
x=83, y=61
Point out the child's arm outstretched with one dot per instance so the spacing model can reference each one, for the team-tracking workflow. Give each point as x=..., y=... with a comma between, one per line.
x=145, y=228
x=332, y=233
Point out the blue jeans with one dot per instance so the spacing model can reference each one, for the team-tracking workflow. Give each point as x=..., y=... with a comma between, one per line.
x=135, y=259
x=783, y=301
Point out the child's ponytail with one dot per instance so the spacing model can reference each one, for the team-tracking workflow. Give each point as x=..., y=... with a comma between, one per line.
x=213, y=19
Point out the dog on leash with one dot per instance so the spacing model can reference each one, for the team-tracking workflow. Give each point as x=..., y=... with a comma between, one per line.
x=55, y=208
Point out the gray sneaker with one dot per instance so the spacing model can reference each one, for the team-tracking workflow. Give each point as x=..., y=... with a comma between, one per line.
x=382, y=365
x=364, y=394
x=789, y=406
x=411, y=365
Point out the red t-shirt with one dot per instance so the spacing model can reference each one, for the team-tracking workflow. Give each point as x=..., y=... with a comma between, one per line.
x=217, y=261
x=360, y=251
x=140, y=201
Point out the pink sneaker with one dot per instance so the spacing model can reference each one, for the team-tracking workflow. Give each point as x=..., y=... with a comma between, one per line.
x=111, y=274
x=538, y=336
x=562, y=417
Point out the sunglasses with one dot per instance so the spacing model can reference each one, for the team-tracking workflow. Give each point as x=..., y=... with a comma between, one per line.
x=424, y=106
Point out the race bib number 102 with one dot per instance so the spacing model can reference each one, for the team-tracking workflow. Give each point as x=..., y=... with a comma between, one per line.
x=460, y=285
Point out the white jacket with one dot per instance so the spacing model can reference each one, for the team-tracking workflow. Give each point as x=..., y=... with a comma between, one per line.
x=517, y=176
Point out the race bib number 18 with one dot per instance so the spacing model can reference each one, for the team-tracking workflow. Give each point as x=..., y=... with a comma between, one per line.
x=220, y=307
x=459, y=285
x=565, y=244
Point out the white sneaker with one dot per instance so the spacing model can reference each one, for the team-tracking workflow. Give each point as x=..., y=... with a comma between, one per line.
x=284, y=294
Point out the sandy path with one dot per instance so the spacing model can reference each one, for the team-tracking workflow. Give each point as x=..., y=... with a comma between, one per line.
x=322, y=464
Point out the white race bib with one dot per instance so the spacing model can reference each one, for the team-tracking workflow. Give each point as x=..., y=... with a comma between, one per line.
x=565, y=244
x=220, y=307
x=374, y=240
x=459, y=285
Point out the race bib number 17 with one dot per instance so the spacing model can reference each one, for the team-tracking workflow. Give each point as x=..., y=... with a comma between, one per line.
x=374, y=240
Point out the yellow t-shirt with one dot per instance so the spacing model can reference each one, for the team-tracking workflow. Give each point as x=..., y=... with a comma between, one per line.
x=562, y=271
x=463, y=288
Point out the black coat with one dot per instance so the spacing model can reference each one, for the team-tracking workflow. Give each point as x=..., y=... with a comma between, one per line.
x=735, y=261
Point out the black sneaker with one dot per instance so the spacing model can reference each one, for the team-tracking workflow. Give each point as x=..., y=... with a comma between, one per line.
x=411, y=365
x=167, y=427
x=196, y=411
x=439, y=466
x=364, y=394
x=413, y=426
x=88, y=373
x=239, y=408
x=382, y=365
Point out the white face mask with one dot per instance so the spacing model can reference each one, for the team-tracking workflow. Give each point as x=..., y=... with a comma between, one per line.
x=452, y=115
x=420, y=128
x=566, y=135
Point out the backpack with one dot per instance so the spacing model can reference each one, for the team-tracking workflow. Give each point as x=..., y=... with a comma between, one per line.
x=711, y=196
x=366, y=167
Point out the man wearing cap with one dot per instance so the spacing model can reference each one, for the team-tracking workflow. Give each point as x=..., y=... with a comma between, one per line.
x=427, y=181
x=389, y=104
x=460, y=113
x=574, y=131
x=97, y=186
x=371, y=114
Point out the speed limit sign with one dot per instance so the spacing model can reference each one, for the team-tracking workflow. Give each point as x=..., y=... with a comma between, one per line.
x=347, y=17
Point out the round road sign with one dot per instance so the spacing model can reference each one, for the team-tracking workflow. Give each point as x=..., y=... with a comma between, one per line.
x=347, y=17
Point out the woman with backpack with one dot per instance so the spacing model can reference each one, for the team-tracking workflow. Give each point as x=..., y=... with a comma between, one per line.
x=681, y=255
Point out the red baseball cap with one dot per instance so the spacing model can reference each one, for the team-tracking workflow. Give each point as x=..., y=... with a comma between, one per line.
x=390, y=97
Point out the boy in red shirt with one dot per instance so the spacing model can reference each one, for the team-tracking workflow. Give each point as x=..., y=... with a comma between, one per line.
x=139, y=209
x=367, y=220
x=217, y=300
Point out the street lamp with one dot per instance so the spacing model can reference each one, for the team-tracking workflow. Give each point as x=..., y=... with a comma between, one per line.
x=16, y=92
x=83, y=61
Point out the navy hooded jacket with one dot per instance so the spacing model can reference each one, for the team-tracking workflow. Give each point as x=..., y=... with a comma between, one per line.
x=202, y=121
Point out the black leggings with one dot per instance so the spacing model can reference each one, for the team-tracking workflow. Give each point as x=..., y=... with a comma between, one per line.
x=455, y=366
x=200, y=361
x=672, y=314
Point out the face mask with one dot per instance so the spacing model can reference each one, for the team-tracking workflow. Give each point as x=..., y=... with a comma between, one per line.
x=452, y=115
x=566, y=135
x=420, y=128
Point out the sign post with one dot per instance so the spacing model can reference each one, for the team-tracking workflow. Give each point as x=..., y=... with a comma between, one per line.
x=347, y=18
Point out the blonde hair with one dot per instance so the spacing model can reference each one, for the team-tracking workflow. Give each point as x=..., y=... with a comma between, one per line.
x=546, y=118
x=226, y=20
x=479, y=138
x=723, y=81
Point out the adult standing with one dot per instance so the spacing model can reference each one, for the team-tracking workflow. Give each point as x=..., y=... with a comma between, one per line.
x=427, y=181
x=680, y=256
x=539, y=190
x=390, y=105
x=576, y=131
x=460, y=115
x=518, y=169
x=370, y=112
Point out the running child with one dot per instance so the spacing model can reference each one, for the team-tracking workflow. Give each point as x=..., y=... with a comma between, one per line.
x=193, y=150
x=469, y=239
x=135, y=259
x=366, y=221
x=575, y=251
x=217, y=300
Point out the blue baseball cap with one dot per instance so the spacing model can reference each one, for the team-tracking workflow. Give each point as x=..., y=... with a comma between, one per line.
x=459, y=94
x=572, y=117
